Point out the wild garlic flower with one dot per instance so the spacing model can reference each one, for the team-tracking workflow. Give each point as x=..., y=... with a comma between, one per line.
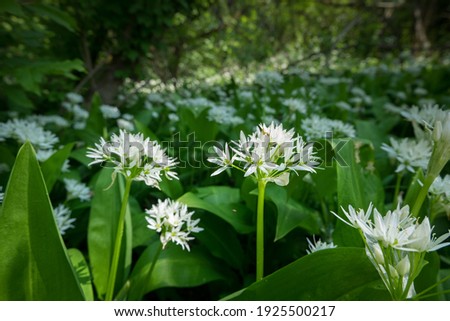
x=224, y=115
x=23, y=130
x=396, y=244
x=441, y=150
x=125, y=124
x=74, y=98
x=269, y=154
x=66, y=166
x=76, y=189
x=45, y=120
x=425, y=116
x=344, y=106
x=318, y=245
x=73, y=106
x=173, y=221
x=409, y=153
x=441, y=187
x=43, y=154
x=63, y=219
x=295, y=105
x=316, y=127
x=439, y=192
x=134, y=157
x=110, y=111
x=268, y=79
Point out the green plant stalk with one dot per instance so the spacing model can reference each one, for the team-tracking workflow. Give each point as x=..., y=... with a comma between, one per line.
x=422, y=194
x=397, y=188
x=118, y=242
x=260, y=231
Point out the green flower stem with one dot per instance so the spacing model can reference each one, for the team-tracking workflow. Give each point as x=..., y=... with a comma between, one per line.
x=397, y=188
x=118, y=242
x=422, y=194
x=422, y=294
x=260, y=231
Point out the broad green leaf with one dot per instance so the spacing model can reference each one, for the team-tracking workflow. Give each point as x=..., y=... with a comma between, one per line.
x=333, y=274
x=444, y=274
x=204, y=129
x=96, y=122
x=31, y=74
x=79, y=154
x=356, y=186
x=51, y=168
x=222, y=201
x=142, y=235
x=429, y=276
x=171, y=187
x=414, y=188
x=368, y=129
x=145, y=130
x=175, y=267
x=56, y=15
x=102, y=229
x=221, y=240
x=291, y=214
x=35, y=264
x=11, y=6
x=82, y=272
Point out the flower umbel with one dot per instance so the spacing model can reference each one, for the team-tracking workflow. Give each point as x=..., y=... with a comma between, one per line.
x=134, y=157
x=318, y=245
x=63, y=219
x=269, y=154
x=173, y=221
x=396, y=244
x=77, y=189
x=409, y=153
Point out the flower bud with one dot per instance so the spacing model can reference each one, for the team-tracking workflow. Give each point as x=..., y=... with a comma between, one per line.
x=403, y=266
x=441, y=150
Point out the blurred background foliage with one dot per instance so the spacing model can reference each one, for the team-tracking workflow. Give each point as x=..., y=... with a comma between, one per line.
x=95, y=45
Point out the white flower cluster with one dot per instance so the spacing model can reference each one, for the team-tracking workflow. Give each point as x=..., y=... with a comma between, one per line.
x=77, y=189
x=359, y=97
x=409, y=153
x=110, y=111
x=245, y=96
x=134, y=157
x=173, y=221
x=196, y=104
x=224, y=115
x=23, y=130
x=268, y=79
x=318, y=245
x=316, y=127
x=269, y=154
x=344, y=106
x=63, y=219
x=440, y=193
x=295, y=105
x=423, y=118
x=441, y=187
x=73, y=105
x=45, y=120
x=126, y=122
x=396, y=244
